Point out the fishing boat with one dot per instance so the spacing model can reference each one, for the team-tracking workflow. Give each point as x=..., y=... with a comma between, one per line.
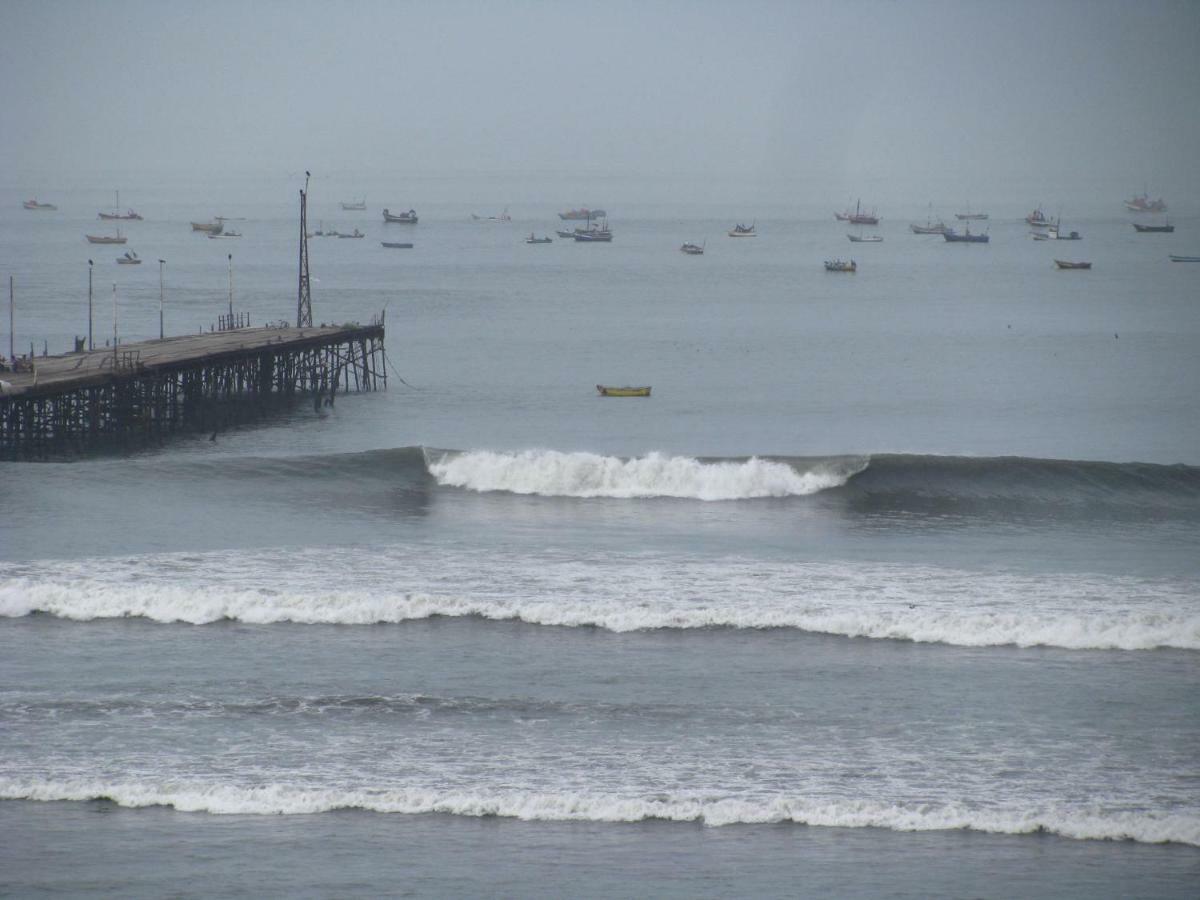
x=693, y=249
x=503, y=217
x=1038, y=219
x=129, y=259
x=969, y=216
x=740, y=230
x=863, y=218
x=866, y=238
x=607, y=391
x=107, y=238
x=117, y=214
x=33, y=204
x=1143, y=204
x=574, y=215
x=930, y=226
x=838, y=265
x=214, y=227
x=565, y=234
x=354, y=234
x=222, y=234
x=599, y=234
x=355, y=204
x=538, y=240
x=953, y=237
x=404, y=218
x=395, y=245
x=1065, y=264
x=1165, y=228
x=1055, y=233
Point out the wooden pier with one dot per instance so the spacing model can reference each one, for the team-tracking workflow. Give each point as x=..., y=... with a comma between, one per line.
x=65, y=405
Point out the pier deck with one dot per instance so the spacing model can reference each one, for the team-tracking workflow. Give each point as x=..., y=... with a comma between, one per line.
x=73, y=402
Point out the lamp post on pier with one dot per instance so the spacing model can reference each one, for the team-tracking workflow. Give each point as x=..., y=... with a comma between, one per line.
x=161, y=263
x=91, y=346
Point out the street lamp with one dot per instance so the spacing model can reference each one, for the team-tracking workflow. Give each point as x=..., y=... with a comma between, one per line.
x=161, y=263
x=91, y=346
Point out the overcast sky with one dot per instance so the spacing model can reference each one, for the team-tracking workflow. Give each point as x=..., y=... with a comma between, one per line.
x=845, y=89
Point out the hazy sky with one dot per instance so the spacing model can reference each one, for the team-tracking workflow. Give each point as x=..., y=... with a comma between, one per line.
x=846, y=89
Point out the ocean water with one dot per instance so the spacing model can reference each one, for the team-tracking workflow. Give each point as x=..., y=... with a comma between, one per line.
x=890, y=588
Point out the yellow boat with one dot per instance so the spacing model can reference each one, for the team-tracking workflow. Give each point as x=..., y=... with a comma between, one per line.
x=606, y=391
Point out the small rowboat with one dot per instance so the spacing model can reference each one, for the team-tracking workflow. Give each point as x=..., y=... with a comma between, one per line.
x=1064, y=264
x=606, y=391
x=692, y=249
x=838, y=265
x=395, y=245
x=1175, y=258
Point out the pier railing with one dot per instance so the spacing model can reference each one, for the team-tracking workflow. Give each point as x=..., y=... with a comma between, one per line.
x=146, y=391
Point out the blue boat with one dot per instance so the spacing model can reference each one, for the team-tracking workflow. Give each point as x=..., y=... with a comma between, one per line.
x=966, y=237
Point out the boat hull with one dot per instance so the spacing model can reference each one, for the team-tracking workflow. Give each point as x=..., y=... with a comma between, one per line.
x=1195, y=259
x=1065, y=264
x=102, y=239
x=1153, y=229
x=405, y=218
x=607, y=391
x=955, y=238
x=395, y=245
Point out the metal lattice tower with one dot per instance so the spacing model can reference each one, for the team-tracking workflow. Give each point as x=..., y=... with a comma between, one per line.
x=304, y=297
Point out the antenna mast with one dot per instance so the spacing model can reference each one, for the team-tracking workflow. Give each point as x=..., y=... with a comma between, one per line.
x=304, y=298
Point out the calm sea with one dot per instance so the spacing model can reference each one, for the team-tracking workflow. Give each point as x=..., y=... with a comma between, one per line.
x=889, y=589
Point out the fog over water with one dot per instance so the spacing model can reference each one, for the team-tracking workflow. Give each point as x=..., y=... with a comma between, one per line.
x=922, y=95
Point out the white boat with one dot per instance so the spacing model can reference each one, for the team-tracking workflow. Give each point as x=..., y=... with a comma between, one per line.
x=355, y=204
x=870, y=238
x=129, y=259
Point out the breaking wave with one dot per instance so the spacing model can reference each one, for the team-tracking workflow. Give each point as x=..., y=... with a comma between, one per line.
x=907, y=603
x=281, y=799
x=553, y=473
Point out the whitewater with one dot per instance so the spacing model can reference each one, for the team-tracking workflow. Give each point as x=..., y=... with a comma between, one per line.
x=619, y=593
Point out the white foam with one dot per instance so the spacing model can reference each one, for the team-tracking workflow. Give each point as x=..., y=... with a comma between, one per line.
x=280, y=799
x=621, y=593
x=556, y=474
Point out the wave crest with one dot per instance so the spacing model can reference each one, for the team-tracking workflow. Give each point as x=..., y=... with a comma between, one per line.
x=280, y=799
x=558, y=474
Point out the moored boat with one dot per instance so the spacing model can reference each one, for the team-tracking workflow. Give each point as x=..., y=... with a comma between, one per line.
x=692, y=249
x=740, y=230
x=1175, y=258
x=128, y=215
x=107, y=238
x=838, y=265
x=601, y=235
x=1165, y=228
x=129, y=259
x=953, y=237
x=396, y=245
x=1143, y=204
x=608, y=391
x=969, y=216
x=532, y=239
x=355, y=204
x=223, y=233
x=354, y=234
x=503, y=217
x=867, y=238
x=214, y=227
x=859, y=217
x=1066, y=264
x=33, y=204
x=573, y=215
x=1038, y=219
x=404, y=218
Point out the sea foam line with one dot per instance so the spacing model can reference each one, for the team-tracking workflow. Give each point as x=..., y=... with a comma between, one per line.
x=282, y=799
x=557, y=474
x=846, y=614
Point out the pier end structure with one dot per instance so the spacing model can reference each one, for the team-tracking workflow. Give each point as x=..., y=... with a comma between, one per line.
x=140, y=393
